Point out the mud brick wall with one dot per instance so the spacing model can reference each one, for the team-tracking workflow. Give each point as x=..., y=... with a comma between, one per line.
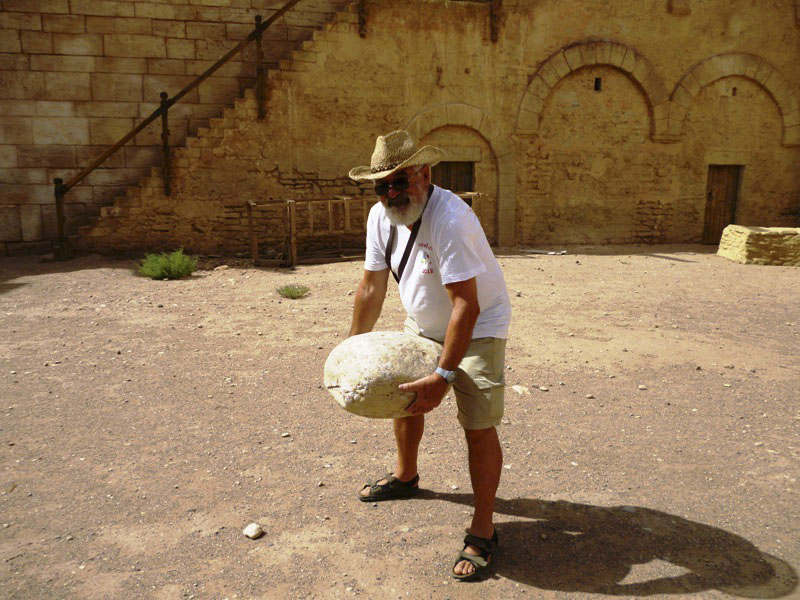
x=77, y=75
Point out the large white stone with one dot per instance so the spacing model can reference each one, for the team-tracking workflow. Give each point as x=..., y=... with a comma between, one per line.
x=363, y=372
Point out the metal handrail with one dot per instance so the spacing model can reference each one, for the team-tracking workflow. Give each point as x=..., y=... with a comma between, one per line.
x=62, y=248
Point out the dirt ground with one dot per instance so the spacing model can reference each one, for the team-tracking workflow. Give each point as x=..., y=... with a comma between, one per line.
x=651, y=435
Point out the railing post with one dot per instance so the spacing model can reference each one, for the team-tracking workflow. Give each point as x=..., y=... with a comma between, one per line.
x=362, y=18
x=253, y=241
x=292, y=233
x=494, y=17
x=165, y=140
x=61, y=250
x=260, y=72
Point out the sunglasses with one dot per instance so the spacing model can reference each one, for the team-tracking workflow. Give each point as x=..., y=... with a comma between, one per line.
x=399, y=184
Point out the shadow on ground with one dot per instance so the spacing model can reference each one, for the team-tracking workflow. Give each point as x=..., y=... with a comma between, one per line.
x=621, y=551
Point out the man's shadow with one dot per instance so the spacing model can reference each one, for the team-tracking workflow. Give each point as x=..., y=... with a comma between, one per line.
x=584, y=548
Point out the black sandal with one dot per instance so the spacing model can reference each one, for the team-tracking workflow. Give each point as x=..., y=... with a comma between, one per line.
x=482, y=562
x=393, y=489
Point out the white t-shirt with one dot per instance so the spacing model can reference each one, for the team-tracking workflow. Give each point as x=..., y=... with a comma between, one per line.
x=450, y=247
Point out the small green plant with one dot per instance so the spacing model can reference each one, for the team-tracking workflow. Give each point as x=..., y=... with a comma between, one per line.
x=293, y=291
x=168, y=266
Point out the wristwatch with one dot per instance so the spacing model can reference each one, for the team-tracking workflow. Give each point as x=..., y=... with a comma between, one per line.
x=449, y=376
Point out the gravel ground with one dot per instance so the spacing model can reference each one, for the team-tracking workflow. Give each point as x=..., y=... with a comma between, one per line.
x=651, y=435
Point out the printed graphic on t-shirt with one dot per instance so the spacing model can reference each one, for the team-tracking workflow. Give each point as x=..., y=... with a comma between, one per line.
x=426, y=265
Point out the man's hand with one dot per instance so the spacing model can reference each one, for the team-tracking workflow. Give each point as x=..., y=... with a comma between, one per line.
x=430, y=390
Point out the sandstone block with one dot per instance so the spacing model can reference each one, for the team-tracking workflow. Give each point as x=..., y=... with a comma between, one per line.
x=120, y=65
x=37, y=6
x=36, y=42
x=113, y=86
x=45, y=156
x=180, y=48
x=25, y=176
x=574, y=57
x=549, y=74
x=617, y=55
x=142, y=46
x=165, y=11
x=10, y=224
x=791, y=136
x=109, y=130
x=172, y=84
x=67, y=86
x=52, y=108
x=8, y=156
x=13, y=62
x=560, y=65
x=761, y=245
x=679, y=7
x=133, y=25
x=31, y=222
x=26, y=194
x=84, y=44
x=166, y=66
x=60, y=130
x=169, y=29
x=17, y=108
x=106, y=109
x=15, y=130
x=197, y=31
x=218, y=90
x=107, y=8
x=363, y=372
x=604, y=53
x=45, y=62
x=15, y=20
x=539, y=88
x=64, y=23
x=101, y=25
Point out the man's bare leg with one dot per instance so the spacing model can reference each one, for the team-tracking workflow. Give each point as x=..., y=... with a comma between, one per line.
x=408, y=434
x=485, y=466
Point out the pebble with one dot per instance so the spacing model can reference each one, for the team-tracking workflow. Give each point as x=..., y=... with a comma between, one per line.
x=589, y=396
x=253, y=531
x=221, y=268
x=453, y=487
x=642, y=387
x=543, y=388
x=520, y=389
x=285, y=434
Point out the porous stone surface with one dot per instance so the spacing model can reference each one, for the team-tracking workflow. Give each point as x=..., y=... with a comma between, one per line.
x=364, y=371
x=761, y=245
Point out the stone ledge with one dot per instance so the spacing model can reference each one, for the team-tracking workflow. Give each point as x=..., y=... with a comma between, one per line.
x=761, y=245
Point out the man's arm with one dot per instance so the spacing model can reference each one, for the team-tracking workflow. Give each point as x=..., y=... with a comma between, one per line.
x=369, y=301
x=431, y=389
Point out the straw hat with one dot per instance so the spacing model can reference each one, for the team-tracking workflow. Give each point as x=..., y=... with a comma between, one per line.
x=393, y=152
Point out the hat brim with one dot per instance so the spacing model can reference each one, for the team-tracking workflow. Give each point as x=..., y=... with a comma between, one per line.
x=427, y=155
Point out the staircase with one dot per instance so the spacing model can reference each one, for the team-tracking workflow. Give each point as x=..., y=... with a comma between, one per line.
x=336, y=16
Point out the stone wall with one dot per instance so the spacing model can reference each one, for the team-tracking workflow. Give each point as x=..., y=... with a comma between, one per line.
x=77, y=75
x=586, y=126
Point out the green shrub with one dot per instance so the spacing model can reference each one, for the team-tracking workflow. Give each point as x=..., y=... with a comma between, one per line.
x=168, y=266
x=293, y=291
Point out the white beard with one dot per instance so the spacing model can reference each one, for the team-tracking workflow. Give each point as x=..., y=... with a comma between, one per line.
x=411, y=214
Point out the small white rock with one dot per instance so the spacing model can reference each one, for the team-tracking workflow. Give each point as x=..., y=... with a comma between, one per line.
x=642, y=387
x=253, y=531
x=285, y=434
x=543, y=388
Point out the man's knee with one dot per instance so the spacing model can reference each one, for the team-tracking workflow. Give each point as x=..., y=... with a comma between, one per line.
x=481, y=436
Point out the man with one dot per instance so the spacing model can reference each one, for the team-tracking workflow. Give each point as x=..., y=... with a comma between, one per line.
x=454, y=292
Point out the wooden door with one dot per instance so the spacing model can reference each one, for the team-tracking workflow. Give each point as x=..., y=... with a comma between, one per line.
x=722, y=194
x=456, y=176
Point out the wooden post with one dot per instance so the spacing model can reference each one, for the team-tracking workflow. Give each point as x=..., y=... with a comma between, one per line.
x=260, y=72
x=61, y=250
x=165, y=140
x=253, y=241
x=494, y=17
x=292, y=233
x=362, y=18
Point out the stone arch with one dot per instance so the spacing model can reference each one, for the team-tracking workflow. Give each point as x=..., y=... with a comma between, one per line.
x=587, y=54
x=752, y=67
x=474, y=118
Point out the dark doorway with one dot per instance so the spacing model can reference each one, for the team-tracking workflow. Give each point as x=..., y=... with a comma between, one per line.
x=456, y=176
x=722, y=195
